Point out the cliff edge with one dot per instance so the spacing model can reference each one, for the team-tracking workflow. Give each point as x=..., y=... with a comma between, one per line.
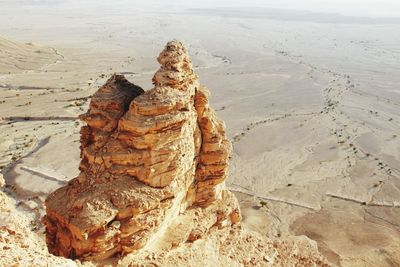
x=147, y=158
x=151, y=186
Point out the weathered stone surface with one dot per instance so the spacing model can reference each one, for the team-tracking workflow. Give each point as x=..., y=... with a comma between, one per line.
x=149, y=159
x=3, y=197
x=214, y=152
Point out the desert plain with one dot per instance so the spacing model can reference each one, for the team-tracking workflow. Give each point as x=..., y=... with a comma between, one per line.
x=311, y=104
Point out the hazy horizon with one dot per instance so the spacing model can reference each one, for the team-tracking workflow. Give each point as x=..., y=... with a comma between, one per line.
x=366, y=8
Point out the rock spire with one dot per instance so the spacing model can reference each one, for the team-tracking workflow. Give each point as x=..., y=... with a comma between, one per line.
x=151, y=160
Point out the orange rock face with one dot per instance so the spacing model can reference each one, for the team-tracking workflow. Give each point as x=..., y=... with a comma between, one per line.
x=150, y=160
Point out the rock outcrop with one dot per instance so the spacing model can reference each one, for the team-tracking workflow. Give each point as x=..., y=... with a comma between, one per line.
x=152, y=162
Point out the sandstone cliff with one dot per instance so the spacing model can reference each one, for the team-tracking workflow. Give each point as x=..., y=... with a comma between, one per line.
x=152, y=182
x=146, y=158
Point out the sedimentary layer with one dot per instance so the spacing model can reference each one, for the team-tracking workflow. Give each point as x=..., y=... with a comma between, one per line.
x=148, y=157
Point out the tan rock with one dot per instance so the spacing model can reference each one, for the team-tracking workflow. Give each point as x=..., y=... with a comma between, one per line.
x=148, y=158
x=152, y=182
x=2, y=182
x=3, y=197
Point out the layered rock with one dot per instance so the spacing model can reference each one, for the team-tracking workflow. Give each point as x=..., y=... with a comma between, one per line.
x=215, y=148
x=150, y=160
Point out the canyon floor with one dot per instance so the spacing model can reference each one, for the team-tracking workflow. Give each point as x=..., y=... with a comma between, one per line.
x=312, y=108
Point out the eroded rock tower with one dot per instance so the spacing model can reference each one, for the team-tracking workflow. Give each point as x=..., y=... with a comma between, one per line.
x=151, y=160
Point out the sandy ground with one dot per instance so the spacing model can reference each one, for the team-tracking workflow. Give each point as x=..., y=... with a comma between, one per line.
x=311, y=106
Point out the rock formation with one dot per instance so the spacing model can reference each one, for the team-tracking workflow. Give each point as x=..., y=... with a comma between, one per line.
x=152, y=162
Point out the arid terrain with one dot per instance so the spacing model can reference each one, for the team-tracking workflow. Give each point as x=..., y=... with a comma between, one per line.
x=312, y=107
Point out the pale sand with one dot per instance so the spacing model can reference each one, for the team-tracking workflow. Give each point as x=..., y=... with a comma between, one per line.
x=312, y=110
